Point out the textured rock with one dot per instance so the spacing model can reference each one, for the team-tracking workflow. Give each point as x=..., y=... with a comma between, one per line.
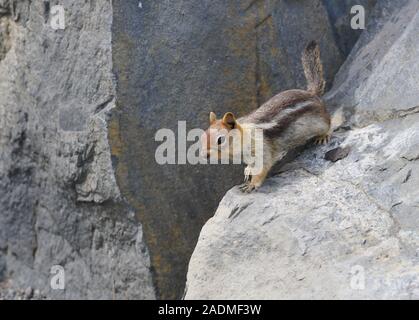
x=308, y=228
x=59, y=202
x=179, y=61
x=7, y=292
x=391, y=36
x=340, y=18
x=341, y=230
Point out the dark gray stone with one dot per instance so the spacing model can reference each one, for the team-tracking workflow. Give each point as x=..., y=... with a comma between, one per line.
x=340, y=17
x=337, y=154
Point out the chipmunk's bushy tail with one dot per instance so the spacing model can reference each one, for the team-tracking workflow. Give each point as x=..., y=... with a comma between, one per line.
x=313, y=68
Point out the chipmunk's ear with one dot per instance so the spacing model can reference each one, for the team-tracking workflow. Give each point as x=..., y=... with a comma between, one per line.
x=229, y=120
x=212, y=117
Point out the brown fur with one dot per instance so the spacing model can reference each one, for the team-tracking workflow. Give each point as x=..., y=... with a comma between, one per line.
x=313, y=69
x=276, y=104
x=288, y=119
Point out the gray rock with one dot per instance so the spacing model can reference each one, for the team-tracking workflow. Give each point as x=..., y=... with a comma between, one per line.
x=390, y=36
x=179, y=61
x=343, y=230
x=59, y=201
x=8, y=291
x=307, y=231
x=340, y=18
x=78, y=114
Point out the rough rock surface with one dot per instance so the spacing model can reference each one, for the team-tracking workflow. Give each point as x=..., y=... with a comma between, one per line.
x=180, y=60
x=59, y=202
x=386, y=55
x=7, y=292
x=341, y=230
x=147, y=66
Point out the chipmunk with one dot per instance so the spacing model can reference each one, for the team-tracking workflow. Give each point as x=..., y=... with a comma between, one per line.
x=288, y=120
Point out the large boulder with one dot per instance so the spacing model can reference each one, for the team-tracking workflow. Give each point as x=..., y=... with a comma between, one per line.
x=59, y=202
x=341, y=221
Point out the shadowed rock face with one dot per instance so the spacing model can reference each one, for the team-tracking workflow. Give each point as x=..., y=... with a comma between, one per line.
x=179, y=61
x=340, y=19
x=334, y=230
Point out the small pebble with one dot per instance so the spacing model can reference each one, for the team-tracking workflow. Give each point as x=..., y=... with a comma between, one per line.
x=28, y=293
x=337, y=154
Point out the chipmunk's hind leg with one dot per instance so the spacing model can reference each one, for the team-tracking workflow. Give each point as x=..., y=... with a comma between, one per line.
x=323, y=139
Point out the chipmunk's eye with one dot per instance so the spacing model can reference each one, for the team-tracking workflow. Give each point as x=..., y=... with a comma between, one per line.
x=221, y=140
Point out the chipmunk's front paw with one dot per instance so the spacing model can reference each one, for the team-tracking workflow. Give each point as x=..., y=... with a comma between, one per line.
x=322, y=139
x=247, y=187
